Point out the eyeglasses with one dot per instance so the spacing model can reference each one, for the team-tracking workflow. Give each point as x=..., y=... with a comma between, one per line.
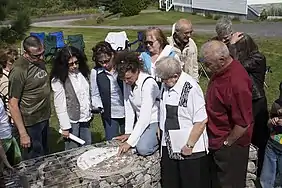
x=73, y=63
x=151, y=43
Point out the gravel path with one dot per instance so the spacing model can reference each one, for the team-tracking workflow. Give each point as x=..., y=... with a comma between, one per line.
x=263, y=29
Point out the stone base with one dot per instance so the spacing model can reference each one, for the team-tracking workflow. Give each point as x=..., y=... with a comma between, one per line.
x=60, y=170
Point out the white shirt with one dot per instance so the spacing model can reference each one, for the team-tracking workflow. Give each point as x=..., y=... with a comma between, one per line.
x=117, y=105
x=81, y=88
x=5, y=127
x=192, y=112
x=142, y=103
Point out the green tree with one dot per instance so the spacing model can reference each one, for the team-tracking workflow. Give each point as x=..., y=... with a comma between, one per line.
x=14, y=21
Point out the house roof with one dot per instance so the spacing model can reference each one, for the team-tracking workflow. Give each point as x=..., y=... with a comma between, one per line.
x=255, y=11
x=258, y=8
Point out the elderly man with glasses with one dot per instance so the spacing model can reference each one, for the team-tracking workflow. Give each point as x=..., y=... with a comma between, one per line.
x=230, y=120
x=29, y=101
x=185, y=47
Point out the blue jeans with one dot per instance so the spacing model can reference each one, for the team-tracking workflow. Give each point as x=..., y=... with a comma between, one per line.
x=38, y=134
x=113, y=127
x=81, y=130
x=272, y=167
x=148, y=142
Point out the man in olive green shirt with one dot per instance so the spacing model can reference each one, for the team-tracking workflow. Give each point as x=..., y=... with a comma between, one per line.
x=29, y=102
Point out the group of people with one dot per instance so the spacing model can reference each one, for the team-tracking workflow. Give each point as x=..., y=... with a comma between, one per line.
x=152, y=101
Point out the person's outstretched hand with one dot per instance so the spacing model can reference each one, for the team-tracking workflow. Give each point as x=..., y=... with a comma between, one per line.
x=123, y=148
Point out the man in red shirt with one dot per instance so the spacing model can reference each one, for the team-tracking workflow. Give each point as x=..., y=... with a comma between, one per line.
x=230, y=120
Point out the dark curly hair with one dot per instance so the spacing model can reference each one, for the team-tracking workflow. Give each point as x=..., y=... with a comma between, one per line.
x=127, y=61
x=102, y=48
x=60, y=68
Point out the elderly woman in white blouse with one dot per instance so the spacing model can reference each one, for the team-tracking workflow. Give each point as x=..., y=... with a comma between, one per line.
x=184, y=162
x=70, y=84
x=141, y=93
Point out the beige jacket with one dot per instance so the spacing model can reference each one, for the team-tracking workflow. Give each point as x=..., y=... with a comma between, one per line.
x=189, y=57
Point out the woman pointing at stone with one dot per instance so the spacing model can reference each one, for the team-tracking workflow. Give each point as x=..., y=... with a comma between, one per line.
x=141, y=105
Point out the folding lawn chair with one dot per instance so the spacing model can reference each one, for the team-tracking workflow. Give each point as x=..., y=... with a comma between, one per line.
x=202, y=69
x=140, y=39
x=118, y=40
x=50, y=46
x=41, y=36
x=76, y=41
x=60, y=38
x=268, y=70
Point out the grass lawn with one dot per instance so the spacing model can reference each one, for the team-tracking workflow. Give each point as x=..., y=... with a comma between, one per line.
x=269, y=46
x=156, y=18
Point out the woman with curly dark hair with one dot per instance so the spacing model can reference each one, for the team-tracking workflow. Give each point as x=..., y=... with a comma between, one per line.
x=70, y=84
x=106, y=90
x=141, y=105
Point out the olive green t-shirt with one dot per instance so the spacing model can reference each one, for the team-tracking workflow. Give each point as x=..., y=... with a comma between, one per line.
x=29, y=82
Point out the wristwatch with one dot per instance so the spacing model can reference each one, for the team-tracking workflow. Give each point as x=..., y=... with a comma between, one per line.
x=189, y=146
x=226, y=143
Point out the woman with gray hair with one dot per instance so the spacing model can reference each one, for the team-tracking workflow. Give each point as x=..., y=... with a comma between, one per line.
x=183, y=118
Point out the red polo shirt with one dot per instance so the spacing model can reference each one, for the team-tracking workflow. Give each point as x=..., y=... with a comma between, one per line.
x=229, y=103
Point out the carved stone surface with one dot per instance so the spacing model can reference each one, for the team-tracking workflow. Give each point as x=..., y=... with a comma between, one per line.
x=60, y=170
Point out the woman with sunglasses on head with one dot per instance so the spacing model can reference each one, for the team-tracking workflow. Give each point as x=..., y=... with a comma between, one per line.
x=157, y=47
x=106, y=90
x=70, y=84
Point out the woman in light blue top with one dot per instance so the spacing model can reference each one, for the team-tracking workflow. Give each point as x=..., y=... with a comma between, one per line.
x=157, y=47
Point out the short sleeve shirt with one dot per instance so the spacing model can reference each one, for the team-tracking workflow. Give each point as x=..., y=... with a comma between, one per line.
x=229, y=103
x=29, y=82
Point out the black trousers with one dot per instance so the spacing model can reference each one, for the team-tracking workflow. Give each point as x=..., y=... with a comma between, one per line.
x=229, y=166
x=189, y=173
x=260, y=131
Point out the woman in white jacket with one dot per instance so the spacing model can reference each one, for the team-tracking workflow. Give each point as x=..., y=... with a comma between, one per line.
x=70, y=84
x=141, y=93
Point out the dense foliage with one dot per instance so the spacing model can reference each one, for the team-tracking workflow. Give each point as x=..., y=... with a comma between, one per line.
x=18, y=22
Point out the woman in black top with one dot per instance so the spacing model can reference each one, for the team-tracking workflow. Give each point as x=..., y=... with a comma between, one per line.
x=255, y=64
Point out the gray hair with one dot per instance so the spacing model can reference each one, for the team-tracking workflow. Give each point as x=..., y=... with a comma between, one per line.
x=215, y=49
x=180, y=23
x=223, y=27
x=167, y=67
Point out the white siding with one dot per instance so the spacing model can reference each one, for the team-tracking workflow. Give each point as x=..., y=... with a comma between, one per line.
x=231, y=6
x=183, y=2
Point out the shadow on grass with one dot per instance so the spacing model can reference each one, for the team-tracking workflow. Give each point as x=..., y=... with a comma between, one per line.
x=55, y=141
x=96, y=137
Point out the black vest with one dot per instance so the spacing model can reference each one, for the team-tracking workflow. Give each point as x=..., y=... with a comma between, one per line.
x=104, y=87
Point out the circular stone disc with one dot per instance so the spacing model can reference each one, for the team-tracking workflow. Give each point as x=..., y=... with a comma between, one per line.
x=101, y=162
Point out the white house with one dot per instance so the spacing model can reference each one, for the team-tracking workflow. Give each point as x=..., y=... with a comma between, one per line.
x=238, y=8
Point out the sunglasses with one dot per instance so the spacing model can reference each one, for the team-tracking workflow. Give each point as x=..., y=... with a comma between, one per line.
x=73, y=63
x=151, y=43
x=36, y=56
x=106, y=61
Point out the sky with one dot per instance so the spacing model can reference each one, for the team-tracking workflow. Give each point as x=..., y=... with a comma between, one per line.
x=263, y=1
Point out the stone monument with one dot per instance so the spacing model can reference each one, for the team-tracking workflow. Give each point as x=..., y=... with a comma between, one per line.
x=95, y=166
